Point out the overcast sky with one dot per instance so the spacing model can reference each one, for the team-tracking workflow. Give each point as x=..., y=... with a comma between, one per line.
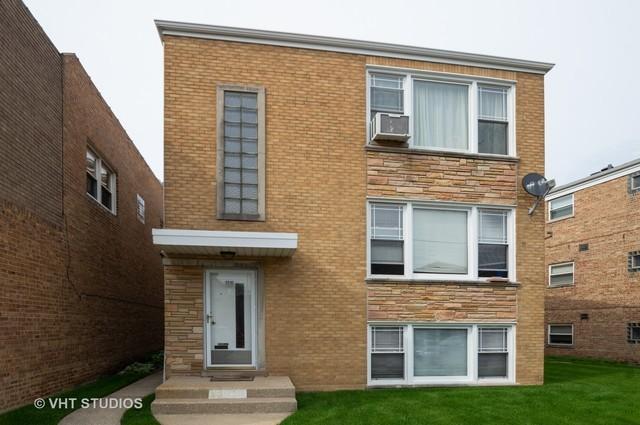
x=592, y=114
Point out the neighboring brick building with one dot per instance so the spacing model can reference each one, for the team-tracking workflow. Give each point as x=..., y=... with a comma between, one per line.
x=298, y=246
x=593, y=258
x=81, y=284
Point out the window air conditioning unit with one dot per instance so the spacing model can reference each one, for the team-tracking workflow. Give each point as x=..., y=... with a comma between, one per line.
x=390, y=127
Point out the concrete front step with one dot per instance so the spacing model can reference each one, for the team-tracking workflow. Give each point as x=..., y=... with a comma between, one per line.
x=223, y=406
x=203, y=388
x=201, y=394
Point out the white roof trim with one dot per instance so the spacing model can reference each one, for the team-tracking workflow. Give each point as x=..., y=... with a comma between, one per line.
x=343, y=45
x=593, y=181
x=244, y=243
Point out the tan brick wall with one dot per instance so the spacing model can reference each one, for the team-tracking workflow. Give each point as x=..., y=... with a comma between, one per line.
x=316, y=168
x=606, y=219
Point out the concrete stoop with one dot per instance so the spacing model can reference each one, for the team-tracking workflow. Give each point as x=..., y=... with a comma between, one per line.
x=198, y=400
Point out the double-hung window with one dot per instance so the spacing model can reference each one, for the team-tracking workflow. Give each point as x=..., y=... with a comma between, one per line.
x=386, y=93
x=101, y=181
x=560, y=335
x=440, y=241
x=387, y=352
x=561, y=274
x=387, y=239
x=240, y=167
x=493, y=244
x=140, y=213
x=493, y=353
x=560, y=208
x=455, y=113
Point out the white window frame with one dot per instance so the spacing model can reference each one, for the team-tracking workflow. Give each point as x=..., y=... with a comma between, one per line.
x=140, y=213
x=633, y=178
x=549, y=209
x=112, y=182
x=472, y=240
x=573, y=274
x=555, y=333
x=410, y=75
x=472, y=355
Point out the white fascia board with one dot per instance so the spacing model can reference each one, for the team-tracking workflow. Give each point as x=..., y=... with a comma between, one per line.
x=227, y=239
x=590, y=182
x=343, y=45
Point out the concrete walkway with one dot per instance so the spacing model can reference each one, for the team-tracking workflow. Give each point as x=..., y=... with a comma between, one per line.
x=98, y=416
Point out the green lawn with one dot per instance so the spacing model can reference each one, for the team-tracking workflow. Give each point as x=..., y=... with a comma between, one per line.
x=575, y=392
x=29, y=415
x=140, y=416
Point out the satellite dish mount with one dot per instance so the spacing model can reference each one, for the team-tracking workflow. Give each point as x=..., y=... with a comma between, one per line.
x=536, y=185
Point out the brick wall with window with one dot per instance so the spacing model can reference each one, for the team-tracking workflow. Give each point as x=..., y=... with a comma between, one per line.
x=81, y=287
x=591, y=282
x=318, y=177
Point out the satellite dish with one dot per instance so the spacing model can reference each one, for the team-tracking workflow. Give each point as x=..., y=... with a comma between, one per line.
x=538, y=186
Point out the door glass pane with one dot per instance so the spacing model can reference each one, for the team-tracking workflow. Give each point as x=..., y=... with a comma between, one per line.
x=441, y=115
x=440, y=241
x=230, y=319
x=440, y=352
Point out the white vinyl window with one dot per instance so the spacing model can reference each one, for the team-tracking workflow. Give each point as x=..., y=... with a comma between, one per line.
x=386, y=93
x=448, y=113
x=561, y=274
x=387, y=352
x=387, y=239
x=140, y=208
x=560, y=208
x=440, y=241
x=101, y=181
x=440, y=354
x=493, y=353
x=560, y=334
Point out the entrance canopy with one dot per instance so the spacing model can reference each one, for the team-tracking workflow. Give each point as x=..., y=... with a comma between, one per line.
x=210, y=242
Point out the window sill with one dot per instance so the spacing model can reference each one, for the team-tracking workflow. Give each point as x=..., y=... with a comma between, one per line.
x=441, y=282
x=555, y=220
x=566, y=285
x=570, y=346
x=240, y=217
x=409, y=150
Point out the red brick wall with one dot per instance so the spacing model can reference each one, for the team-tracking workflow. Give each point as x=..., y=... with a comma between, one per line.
x=605, y=217
x=81, y=288
x=30, y=114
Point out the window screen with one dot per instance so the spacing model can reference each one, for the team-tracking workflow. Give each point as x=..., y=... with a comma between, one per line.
x=493, y=246
x=493, y=121
x=241, y=153
x=387, y=244
x=492, y=353
x=387, y=352
x=387, y=94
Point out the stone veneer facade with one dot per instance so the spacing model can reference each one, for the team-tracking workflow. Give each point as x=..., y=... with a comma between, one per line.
x=318, y=177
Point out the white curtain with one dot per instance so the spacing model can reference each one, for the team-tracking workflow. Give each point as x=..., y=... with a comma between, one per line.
x=440, y=115
x=493, y=103
x=439, y=241
x=440, y=352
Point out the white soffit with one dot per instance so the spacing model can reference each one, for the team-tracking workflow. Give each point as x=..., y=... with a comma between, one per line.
x=208, y=242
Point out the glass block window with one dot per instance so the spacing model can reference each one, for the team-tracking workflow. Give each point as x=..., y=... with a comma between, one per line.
x=241, y=151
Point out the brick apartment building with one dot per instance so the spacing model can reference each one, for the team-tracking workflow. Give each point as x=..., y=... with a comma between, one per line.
x=593, y=259
x=298, y=245
x=80, y=279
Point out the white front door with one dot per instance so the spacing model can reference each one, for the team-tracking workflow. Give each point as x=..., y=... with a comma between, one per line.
x=230, y=318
